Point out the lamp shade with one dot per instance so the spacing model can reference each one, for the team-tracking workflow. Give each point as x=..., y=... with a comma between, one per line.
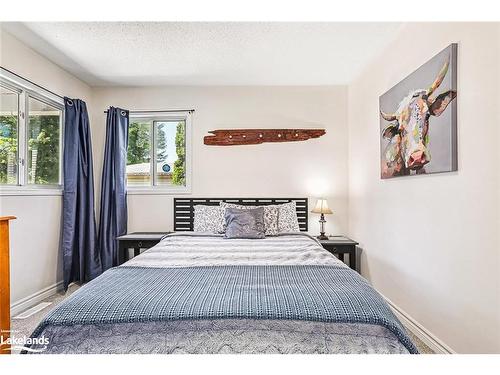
x=321, y=207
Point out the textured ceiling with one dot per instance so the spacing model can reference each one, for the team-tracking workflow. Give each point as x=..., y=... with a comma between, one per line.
x=180, y=53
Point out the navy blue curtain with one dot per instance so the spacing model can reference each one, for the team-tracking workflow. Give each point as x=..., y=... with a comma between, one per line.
x=81, y=259
x=113, y=215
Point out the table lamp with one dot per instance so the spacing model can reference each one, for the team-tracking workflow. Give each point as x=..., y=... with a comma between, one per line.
x=322, y=208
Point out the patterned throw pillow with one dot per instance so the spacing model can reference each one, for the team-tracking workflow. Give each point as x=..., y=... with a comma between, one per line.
x=244, y=223
x=287, y=217
x=270, y=216
x=208, y=219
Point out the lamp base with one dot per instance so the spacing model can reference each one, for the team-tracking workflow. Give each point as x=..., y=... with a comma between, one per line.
x=322, y=222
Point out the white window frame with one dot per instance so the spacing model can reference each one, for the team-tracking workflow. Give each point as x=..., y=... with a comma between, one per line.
x=185, y=116
x=25, y=90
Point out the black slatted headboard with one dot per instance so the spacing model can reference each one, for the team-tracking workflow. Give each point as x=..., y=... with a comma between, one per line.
x=184, y=209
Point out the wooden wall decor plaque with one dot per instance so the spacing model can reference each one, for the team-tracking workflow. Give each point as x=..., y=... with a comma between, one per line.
x=236, y=137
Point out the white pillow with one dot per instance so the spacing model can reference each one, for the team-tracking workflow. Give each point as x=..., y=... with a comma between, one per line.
x=287, y=217
x=208, y=219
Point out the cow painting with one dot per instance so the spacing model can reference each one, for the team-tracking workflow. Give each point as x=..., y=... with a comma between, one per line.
x=405, y=130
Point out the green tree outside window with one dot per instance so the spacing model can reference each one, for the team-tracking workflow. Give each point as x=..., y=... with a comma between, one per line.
x=43, y=150
x=179, y=174
x=8, y=148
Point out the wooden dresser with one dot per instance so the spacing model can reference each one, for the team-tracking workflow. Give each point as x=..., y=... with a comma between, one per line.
x=4, y=283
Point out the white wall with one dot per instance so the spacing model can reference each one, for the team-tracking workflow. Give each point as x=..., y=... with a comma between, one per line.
x=431, y=243
x=312, y=168
x=35, y=263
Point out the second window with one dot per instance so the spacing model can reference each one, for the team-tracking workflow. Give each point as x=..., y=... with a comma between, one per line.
x=156, y=154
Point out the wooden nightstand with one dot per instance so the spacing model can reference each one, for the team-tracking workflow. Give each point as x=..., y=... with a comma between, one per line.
x=341, y=245
x=136, y=241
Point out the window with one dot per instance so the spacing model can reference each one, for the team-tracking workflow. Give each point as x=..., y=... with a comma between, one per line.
x=31, y=121
x=43, y=138
x=158, y=153
x=9, y=125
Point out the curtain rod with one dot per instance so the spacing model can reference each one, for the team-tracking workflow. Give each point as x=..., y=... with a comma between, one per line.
x=33, y=83
x=164, y=110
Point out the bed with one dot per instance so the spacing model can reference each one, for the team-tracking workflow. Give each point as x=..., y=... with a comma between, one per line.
x=204, y=293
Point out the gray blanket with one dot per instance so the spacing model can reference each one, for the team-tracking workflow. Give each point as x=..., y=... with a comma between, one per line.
x=266, y=301
x=222, y=336
x=305, y=293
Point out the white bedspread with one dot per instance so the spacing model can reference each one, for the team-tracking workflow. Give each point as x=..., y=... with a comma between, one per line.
x=196, y=249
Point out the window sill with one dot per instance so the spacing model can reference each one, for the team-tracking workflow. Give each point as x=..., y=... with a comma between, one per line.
x=33, y=192
x=157, y=191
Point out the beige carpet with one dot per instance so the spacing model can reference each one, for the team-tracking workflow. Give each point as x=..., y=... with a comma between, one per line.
x=24, y=327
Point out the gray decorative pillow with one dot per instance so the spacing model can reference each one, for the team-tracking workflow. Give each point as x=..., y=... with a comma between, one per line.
x=244, y=223
x=208, y=219
x=270, y=216
x=287, y=217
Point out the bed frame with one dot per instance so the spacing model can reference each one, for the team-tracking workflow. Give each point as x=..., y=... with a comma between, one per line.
x=184, y=209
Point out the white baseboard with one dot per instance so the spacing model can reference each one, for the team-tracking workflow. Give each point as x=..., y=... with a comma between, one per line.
x=35, y=298
x=418, y=330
